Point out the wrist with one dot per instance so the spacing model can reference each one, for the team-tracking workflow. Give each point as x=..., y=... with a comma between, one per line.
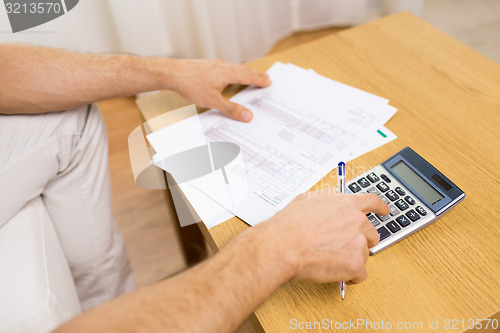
x=164, y=72
x=276, y=248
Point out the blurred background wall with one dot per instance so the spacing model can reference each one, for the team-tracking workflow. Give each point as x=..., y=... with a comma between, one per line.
x=241, y=30
x=234, y=30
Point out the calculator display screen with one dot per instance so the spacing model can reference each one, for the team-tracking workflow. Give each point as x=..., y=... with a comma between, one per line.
x=423, y=188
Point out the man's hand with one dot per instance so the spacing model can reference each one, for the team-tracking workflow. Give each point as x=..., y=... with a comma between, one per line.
x=37, y=79
x=202, y=81
x=327, y=237
x=318, y=237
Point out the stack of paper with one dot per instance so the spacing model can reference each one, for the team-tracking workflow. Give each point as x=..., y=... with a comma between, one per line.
x=303, y=125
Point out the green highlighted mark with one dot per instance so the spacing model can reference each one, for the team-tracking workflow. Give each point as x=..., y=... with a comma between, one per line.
x=381, y=133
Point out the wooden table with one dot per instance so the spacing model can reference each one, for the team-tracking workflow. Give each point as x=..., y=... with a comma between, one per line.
x=448, y=97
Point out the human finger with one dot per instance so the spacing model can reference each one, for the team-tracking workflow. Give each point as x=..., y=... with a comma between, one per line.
x=234, y=110
x=361, y=276
x=372, y=236
x=249, y=76
x=370, y=202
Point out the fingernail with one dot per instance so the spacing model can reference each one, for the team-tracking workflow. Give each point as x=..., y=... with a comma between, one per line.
x=246, y=115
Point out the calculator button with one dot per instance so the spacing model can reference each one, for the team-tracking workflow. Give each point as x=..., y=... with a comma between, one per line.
x=373, y=220
x=402, y=204
x=383, y=187
x=412, y=215
x=394, y=210
x=387, y=201
x=373, y=177
x=384, y=218
x=421, y=211
x=400, y=191
x=393, y=226
x=373, y=190
x=403, y=221
x=383, y=233
x=363, y=182
x=409, y=200
x=384, y=177
x=392, y=195
x=354, y=187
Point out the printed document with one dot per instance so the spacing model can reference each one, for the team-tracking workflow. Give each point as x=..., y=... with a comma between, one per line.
x=303, y=125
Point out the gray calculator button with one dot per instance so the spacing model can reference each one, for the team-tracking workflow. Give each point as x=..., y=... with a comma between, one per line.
x=403, y=221
x=383, y=233
x=373, y=220
x=393, y=226
x=409, y=200
x=383, y=187
x=387, y=201
x=373, y=190
x=354, y=187
x=384, y=177
x=392, y=195
x=363, y=182
x=394, y=210
x=402, y=204
x=373, y=177
x=400, y=191
x=412, y=215
x=384, y=218
x=421, y=211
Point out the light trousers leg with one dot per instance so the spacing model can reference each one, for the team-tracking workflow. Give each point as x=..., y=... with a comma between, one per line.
x=63, y=158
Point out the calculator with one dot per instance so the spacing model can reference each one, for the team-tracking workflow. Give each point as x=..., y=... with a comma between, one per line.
x=416, y=192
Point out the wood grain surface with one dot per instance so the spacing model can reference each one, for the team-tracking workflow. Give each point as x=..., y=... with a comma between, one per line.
x=448, y=97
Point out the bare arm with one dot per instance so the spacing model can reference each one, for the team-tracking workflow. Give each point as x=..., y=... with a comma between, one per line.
x=325, y=238
x=38, y=79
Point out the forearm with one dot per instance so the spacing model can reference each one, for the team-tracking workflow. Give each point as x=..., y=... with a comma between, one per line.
x=215, y=296
x=36, y=79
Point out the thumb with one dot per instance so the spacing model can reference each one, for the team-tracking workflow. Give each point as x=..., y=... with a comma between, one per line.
x=235, y=110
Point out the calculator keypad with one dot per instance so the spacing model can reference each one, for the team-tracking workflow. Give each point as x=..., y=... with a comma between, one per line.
x=383, y=233
x=354, y=187
x=383, y=187
x=403, y=221
x=373, y=190
x=412, y=215
x=402, y=205
x=391, y=195
x=373, y=220
x=373, y=177
x=409, y=200
x=406, y=212
x=393, y=226
x=363, y=182
x=421, y=211
x=400, y=191
x=384, y=177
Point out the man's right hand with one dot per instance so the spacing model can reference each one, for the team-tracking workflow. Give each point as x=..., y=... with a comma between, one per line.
x=326, y=236
x=320, y=237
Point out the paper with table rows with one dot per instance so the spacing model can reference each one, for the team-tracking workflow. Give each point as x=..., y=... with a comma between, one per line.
x=303, y=125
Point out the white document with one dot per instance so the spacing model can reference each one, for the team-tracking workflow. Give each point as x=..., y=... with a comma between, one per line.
x=376, y=140
x=212, y=213
x=303, y=125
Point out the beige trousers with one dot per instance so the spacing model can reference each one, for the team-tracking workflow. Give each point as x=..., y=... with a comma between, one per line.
x=62, y=159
